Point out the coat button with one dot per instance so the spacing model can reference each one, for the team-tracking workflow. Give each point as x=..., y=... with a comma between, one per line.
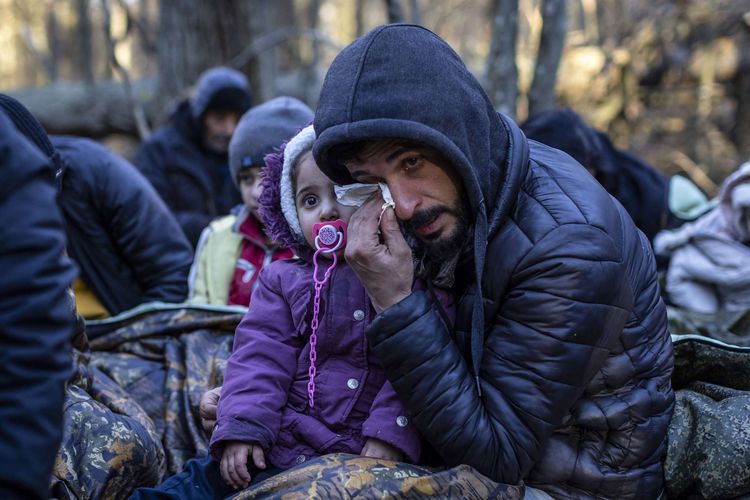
x=359, y=315
x=401, y=421
x=300, y=459
x=352, y=383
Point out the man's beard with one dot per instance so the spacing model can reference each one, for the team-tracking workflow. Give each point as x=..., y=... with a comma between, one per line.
x=442, y=247
x=218, y=144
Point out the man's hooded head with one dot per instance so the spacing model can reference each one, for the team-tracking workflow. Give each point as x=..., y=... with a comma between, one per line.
x=220, y=98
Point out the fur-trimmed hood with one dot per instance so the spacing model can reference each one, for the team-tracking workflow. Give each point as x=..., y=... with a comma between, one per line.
x=277, y=208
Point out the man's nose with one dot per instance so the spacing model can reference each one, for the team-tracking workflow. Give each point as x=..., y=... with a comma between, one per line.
x=406, y=201
x=228, y=125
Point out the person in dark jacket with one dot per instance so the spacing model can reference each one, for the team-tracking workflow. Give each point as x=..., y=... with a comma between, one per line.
x=637, y=185
x=36, y=317
x=127, y=244
x=186, y=160
x=557, y=372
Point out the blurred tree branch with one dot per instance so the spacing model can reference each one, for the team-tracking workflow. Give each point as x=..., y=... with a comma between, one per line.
x=277, y=37
x=138, y=112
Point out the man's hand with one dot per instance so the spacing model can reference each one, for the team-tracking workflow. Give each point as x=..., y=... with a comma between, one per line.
x=234, y=463
x=207, y=409
x=376, y=448
x=385, y=269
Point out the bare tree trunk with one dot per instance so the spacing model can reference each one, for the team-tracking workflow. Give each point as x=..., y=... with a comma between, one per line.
x=53, y=40
x=311, y=84
x=85, y=61
x=591, y=21
x=395, y=12
x=416, y=13
x=501, y=73
x=139, y=113
x=263, y=67
x=195, y=35
x=360, y=20
x=741, y=83
x=554, y=29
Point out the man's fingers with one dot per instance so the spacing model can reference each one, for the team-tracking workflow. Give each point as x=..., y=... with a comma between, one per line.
x=391, y=231
x=258, y=458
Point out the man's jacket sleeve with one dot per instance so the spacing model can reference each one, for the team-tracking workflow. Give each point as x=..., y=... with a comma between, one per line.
x=555, y=323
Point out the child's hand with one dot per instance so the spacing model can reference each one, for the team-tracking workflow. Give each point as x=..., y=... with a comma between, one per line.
x=376, y=448
x=234, y=462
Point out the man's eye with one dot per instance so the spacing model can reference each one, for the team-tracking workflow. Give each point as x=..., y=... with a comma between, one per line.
x=309, y=201
x=412, y=162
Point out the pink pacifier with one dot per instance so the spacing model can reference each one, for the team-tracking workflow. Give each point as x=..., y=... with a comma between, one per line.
x=329, y=236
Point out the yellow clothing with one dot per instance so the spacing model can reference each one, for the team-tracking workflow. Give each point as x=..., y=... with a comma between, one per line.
x=218, y=249
x=87, y=303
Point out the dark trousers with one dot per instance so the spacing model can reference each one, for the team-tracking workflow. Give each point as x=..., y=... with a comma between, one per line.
x=201, y=478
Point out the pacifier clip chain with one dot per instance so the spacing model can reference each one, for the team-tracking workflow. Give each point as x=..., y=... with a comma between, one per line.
x=327, y=240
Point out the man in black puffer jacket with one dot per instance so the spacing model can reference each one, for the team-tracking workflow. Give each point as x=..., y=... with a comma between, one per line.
x=126, y=242
x=557, y=372
x=186, y=160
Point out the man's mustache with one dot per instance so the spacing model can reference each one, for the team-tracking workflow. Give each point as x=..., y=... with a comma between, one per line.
x=422, y=217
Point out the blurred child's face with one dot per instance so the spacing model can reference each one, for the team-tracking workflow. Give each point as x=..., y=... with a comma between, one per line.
x=315, y=198
x=249, y=181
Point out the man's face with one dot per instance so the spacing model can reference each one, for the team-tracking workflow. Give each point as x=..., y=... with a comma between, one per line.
x=218, y=127
x=249, y=180
x=426, y=189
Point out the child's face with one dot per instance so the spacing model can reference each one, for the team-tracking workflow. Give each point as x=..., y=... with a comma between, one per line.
x=249, y=180
x=315, y=198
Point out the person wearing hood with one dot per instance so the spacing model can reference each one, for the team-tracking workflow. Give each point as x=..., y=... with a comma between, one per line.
x=709, y=265
x=186, y=160
x=233, y=249
x=36, y=317
x=637, y=185
x=557, y=372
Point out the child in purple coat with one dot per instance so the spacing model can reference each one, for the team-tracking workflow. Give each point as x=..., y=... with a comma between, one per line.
x=269, y=412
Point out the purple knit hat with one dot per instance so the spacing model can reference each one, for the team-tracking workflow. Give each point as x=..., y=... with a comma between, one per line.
x=277, y=208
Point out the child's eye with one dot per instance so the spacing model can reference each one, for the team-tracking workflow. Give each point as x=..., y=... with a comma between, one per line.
x=309, y=201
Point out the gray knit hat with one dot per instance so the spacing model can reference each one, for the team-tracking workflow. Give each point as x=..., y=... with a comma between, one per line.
x=263, y=129
x=220, y=88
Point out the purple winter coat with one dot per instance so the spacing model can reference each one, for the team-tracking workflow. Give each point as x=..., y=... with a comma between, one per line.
x=264, y=397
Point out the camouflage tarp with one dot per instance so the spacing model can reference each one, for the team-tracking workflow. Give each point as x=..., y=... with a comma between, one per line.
x=165, y=358
x=351, y=476
x=109, y=444
x=709, y=435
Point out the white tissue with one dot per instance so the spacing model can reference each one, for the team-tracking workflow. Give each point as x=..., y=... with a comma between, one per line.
x=354, y=195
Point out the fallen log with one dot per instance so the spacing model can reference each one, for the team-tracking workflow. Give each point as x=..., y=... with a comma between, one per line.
x=92, y=110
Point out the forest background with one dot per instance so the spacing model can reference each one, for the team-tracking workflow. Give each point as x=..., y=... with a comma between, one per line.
x=668, y=79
